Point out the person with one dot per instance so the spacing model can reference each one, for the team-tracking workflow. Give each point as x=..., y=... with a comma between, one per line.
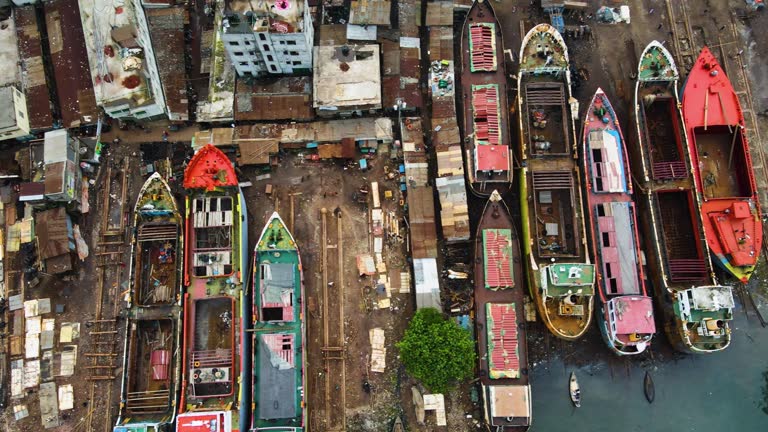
x=165, y=135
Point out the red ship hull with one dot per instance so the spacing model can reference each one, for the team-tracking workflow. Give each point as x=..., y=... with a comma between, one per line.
x=722, y=167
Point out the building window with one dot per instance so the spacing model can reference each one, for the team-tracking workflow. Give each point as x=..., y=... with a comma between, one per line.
x=290, y=42
x=238, y=53
x=247, y=43
x=21, y=114
x=285, y=53
x=262, y=36
x=294, y=53
x=266, y=47
x=140, y=113
x=247, y=72
x=243, y=63
x=270, y=58
x=296, y=63
x=273, y=68
x=281, y=42
x=234, y=43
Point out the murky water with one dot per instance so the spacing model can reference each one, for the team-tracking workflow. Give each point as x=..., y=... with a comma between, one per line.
x=727, y=391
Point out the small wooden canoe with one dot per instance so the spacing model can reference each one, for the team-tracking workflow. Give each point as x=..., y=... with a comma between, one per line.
x=649, y=388
x=575, y=392
x=398, y=426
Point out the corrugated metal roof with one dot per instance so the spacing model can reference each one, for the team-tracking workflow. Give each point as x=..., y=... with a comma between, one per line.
x=33, y=71
x=492, y=158
x=454, y=212
x=166, y=29
x=288, y=98
x=409, y=17
x=503, y=358
x=441, y=43
x=427, y=283
x=53, y=229
x=370, y=12
x=439, y=13
x=72, y=74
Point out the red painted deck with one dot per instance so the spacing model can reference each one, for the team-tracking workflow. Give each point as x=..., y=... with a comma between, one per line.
x=277, y=342
x=502, y=323
x=204, y=422
x=723, y=166
x=209, y=168
x=492, y=158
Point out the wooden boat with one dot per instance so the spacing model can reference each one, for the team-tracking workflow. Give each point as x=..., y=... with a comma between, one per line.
x=152, y=358
x=398, y=425
x=278, y=332
x=574, y=390
x=486, y=111
x=648, y=388
x=696, y=309
x=216, y=353
x=626, y=311
x=560, y=276
x=722, y=167
x=500, y=315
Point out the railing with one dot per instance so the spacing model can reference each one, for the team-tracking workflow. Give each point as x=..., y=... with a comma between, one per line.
x=148, y=401
x=669, y=170
x=221, y=357
x=687, y=270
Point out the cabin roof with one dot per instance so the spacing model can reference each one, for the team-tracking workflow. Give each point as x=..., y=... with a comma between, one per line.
x=492, y=158
x=277, y=381
x=634, y=314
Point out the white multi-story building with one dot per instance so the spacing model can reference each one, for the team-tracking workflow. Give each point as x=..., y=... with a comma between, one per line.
x=268, y=36
x=14, y=121
x=123, y=69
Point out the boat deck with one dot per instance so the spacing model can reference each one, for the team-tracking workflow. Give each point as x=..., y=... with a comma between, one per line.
x=663, y=135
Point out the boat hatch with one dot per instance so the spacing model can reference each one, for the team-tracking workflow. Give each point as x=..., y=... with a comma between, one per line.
x=685, y=260
x=556, y=223
x=615, y=229
x=277, y=284
x=607, y=168
x=212, y=220
x=663, y=132
x=482, y=47
x=548, y=130
x=503, y=360
x=212, y=358
x=497, y=264
x=486, y=115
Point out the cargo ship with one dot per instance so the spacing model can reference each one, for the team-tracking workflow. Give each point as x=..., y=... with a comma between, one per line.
x=625, y=311
x=720, y=153
x=278, y=332
x=484, y=99
x=152, y=354
x=216, y=354
x=561, y=276
x=695, y=307
x=500, y=320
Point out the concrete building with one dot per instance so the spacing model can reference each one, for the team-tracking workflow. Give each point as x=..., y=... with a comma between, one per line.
x=125, y=76
x=14, y=121
x=263, y=37
x=347, y=80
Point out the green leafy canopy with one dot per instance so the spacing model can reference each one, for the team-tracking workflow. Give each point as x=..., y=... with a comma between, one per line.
x=436, y=351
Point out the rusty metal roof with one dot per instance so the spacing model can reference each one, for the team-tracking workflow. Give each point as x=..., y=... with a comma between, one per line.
x=166, y=29
x=441, y=43
x=53, y=229
x=421, y=215
x=288, y=98
x=409, y=17
x=70, y=62
x=370, y=12
x=439, y=13
x=34, y=81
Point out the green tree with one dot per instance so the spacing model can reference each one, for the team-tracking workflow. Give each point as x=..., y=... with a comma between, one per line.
x=436, y=351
